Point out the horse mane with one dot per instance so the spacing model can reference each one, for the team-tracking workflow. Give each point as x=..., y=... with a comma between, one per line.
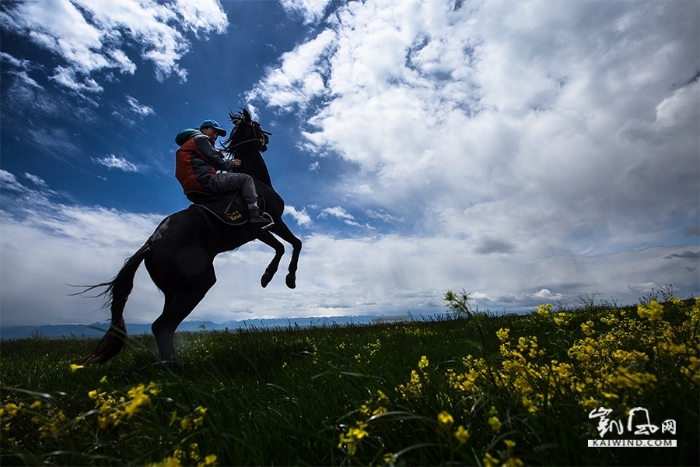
x=242, y=116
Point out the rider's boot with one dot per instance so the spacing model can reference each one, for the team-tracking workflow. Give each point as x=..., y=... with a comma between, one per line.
x=264, y=221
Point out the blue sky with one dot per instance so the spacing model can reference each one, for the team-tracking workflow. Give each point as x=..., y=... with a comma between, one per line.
x=524, y=151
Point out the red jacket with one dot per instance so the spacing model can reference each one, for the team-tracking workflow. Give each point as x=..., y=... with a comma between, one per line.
x=196, y=161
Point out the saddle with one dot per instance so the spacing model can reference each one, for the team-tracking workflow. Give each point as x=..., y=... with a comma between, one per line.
x=229, y=208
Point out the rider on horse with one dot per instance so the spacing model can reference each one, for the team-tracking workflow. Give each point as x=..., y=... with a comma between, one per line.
x=197, y=162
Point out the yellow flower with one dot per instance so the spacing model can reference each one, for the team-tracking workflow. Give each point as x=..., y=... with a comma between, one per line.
x=12, y=409
x=587, y=328
x=351, y=439
x=103, y=380
x=544, y=310
x=502, y=334
x=349, y=444
x=561, y=319
x=653, y=311
x=461, y=434
x=510, y=444
x=186, y=423
x=423, y=364
x=167, y=462
x=445, y=419
x=138, y=398
x=359, y=431
x=208, y=460
x=490, y=461
x=194, y=451
x=495, y=423
x=74, y=367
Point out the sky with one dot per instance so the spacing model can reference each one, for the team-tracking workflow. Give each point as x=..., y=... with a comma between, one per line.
x=524, y=152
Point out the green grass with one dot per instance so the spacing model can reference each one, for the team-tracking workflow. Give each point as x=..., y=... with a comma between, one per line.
x=361, y=395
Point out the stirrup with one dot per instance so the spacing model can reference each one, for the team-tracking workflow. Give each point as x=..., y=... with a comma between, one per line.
x=268, y=217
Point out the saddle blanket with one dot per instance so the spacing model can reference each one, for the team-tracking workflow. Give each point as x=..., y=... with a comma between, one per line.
x=229, y=208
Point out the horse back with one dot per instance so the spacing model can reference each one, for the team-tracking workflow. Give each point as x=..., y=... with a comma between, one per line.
x=196, y=230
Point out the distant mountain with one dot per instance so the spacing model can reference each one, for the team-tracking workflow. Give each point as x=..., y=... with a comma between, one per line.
x=70, y=331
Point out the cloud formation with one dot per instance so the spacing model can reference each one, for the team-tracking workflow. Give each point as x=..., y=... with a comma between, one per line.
x=90, y=37
x=51, y=244
x=526, y=152
x=113, y=162
x=310, y=11
x=516, y=124
x=139, y=109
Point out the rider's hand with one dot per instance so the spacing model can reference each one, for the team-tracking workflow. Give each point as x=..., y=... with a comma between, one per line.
x=237, y=162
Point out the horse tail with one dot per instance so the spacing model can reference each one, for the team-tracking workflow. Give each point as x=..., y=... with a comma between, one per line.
x=117, y=291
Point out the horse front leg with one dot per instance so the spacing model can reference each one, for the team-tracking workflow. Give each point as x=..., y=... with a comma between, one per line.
x=280, y=229
x=268, y=239
x=291, y=279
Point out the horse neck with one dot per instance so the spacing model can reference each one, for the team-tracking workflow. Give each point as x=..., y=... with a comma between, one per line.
x=254, y=165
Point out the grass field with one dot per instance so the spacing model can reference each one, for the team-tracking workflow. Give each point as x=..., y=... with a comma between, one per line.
x=467, y=388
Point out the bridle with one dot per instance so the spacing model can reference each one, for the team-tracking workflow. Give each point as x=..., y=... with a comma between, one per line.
x=262, y=140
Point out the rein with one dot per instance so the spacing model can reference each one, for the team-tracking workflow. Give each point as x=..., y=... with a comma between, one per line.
x=262, y=141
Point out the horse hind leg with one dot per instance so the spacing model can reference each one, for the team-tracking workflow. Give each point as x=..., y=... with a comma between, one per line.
x=178, y=305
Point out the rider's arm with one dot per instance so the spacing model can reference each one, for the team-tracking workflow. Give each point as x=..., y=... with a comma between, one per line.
x=211, y=155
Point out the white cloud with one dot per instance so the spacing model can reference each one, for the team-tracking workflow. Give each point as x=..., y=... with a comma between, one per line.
x=301, y=217
x=46, y=245
x=139, y=109
x=113, y=162
x=36, y=180
x=9, y=182
x=300, y=77
x=524, y=151
x=311, y=11
x=545, y=294
x=342, y=214
x=515, y=124
x=89, y=37
x=337, y=211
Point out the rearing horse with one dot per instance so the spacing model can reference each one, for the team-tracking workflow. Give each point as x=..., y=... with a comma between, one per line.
x=179, y=257
x=246, y=142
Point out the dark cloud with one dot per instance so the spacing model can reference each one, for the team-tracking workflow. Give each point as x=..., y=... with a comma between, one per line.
x=493, y=245
x=685, y=255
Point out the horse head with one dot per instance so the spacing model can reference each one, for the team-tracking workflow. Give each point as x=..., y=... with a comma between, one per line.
x=245, y=131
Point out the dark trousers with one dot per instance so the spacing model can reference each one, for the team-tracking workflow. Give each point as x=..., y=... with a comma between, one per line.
x=223, y=182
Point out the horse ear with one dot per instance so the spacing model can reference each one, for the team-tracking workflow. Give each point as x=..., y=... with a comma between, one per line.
x=232, y=117
x=246, y=115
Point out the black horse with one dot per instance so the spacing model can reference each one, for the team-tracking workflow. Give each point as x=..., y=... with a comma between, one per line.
x=179, y=255
x=245, y=143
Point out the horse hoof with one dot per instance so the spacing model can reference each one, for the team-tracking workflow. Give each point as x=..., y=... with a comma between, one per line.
x=291, y=281
x=265, y=279
x=171, y=365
